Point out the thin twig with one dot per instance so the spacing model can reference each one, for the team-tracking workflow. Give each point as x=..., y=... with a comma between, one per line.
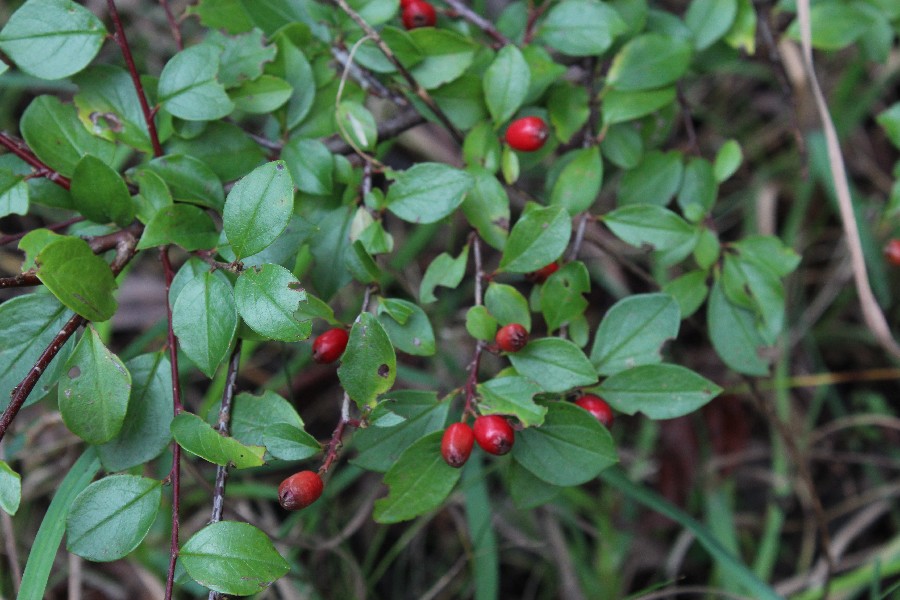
x=222, y=428
x=173, y=24
x=26, y=279
x=332, y=450
x=122, y=42
x=364, y=78
x=478, y=21
x=389, y=129
x=419, y=91
x=177, y=407
x=688, y=120
x=579, y=236
x=19, y=148
x=472, y=378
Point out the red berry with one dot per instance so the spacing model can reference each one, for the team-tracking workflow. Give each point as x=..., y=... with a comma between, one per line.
x=527, y=134
x=494, y=434
x=598, y=407
x=541, y=275
x=329, y=346
x=511, y=338
x=456, y=445
x=892, y=252
x=300, y=490
x=418, y=13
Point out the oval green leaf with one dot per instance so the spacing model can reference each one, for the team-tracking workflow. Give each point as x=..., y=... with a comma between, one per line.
x=633, y=331
x=506, y=82
x=78, y=277
x=197, y=437
x=188, y=87
x=658, y=391
x=555, y=364
x=427, y=192
x=204, y=318
x=267, y=298
x=258, y=208
x=538, y=238
x=369, y=364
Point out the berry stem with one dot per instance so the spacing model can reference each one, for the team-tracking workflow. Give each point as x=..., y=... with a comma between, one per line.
x=472, y=378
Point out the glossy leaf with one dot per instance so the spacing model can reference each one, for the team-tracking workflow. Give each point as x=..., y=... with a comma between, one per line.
x=728, y=160
x=512, y=396
x=539, y=237
x=561, y=295
x=709, y=20
x=570, y=448
x=555, y=364
x=258, y=208
x=357, y=125
x=184, y=225
x=78, y=277
x=506, y=82
x=734, y=335
x=287, y=442
x=310, y=164
x=486, y=208
x=380, y=446
x=658, y=391
x=689, y=291
x=655, y=180
x=94, y=391
x=647, y=62
x=232, y=558
x=13, y=194
x=651, y=226
x=267, y=298
x=633, y=332
x=10, y=489
x=480, y=324
x=568, y=106
x=619, y=107
x=579, y=183
x=414, y=335
x=418, y=482
x=445, y=271
x=189, y=180
x=145, y=430
x=252, y=416
x=699, y=189
x=196, y=436
x=581, y=27
x=507, y=305
x=112, y=516
x=204, y=318
x=52, y=39
x=369, y=365
x=447, y=55
x=188, y=87
x=427, y=192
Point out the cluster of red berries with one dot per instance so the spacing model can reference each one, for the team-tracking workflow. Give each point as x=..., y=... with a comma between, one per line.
x=417, y=13
x=492, y=432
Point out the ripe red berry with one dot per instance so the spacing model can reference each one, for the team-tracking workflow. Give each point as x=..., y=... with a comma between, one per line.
x=511, y=338
x=541, y=275
x=418, y=13
x=598, y=407
x=456, y=445
x=329, y=346
x=300, y=490
x=892, y=252
x=494, y=434
x=527, y=134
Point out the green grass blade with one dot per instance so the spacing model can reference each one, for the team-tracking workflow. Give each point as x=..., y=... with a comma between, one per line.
x=49, y=536
x=726, y=561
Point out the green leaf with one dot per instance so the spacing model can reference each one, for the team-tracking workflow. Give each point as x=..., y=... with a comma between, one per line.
x=112, y=516
x=78, y=277
x=93, y=394
x=647, y=62
x=728, y=160
x=561, y=295
x=619, y=107
x=252, y=416
x=623, y=147
x=751, y=284
x=27, y=326
x=267, y=298
x=56, y=136
x=445, y=271
x=204, y=318
x=836, y=25
x=188, y=87
x=10, y=489
x=658, y=391
x=652, y=226
x=242, y=57
x=579, y=183
x=481, y=149
x=581, y=27
x=46, y=543
x=733, y=333
x=480, y=324
x=427, y=192
x=555, y=364
x=32, y=244
x=262, y=95
x=889, y=120
x=689, y=291
x=310, y=164
x=185, y=225
x=570, y=448
x=511, y=396
x=52, y=39
x=287, y=442
x=368, y=365
x=227, y=150
x=380, y=446
x=232, y=558
x=507, y=305
x=506, y=82
x=145, y=431
x=526, y=490
x=154, y=195
x=486, y=208
x=538, y=238
x=189, y=180
x=709, y=20
x=633, y=332
x=293, y=65
x=418, y=482
x=196, y=436
x=568, y=107
x=654, y=181
x=258, y=208
x=742, y=35
x=447, y=55
x=357, y=125
x=100, y=194
x=414, y=334
x=13, y=194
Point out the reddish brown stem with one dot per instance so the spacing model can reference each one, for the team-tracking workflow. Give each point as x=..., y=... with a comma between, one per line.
x=472, y=379
x=177, y=408
x=122, y=42
x=332, y=450
x=173, y=25
x=477, y=20
x=19, y=148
